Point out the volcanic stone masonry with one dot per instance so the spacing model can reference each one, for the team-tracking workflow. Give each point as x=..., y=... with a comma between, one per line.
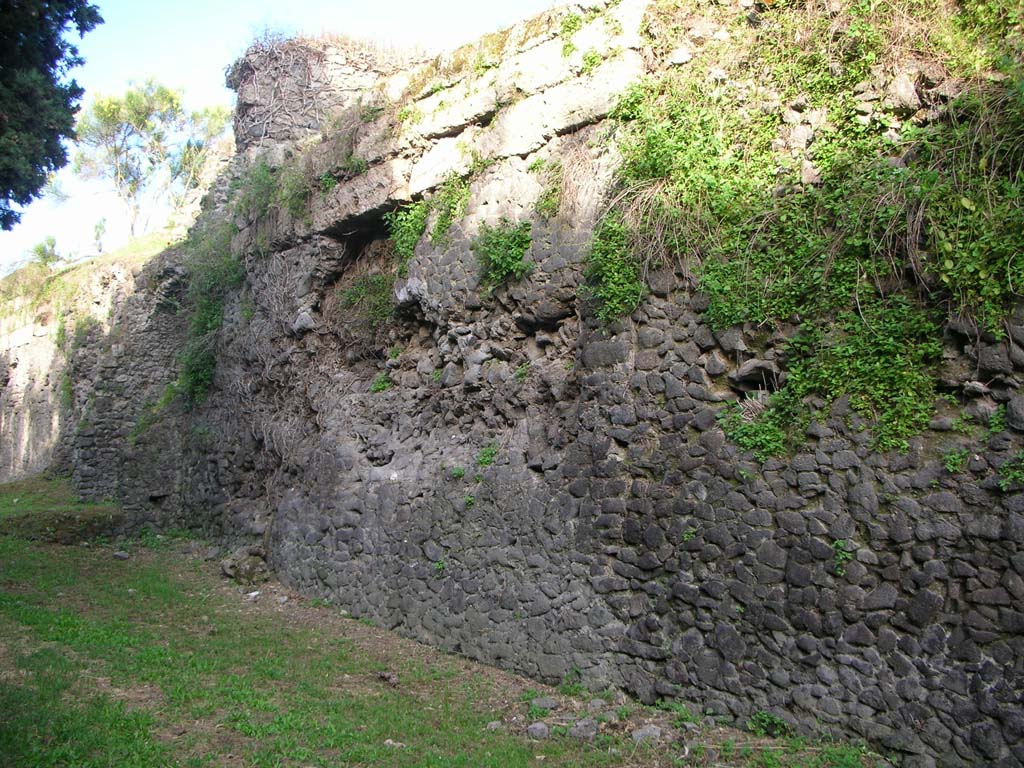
x=495, y=472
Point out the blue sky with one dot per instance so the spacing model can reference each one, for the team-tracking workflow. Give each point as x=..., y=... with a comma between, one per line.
x=187, y=44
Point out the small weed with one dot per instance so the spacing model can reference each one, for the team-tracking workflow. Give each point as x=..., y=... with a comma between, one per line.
x=997, y=421
x=439, y=567
x=469, y=500
x=381, y=383
x=458, y=473
x=688, y=534
x=841, y=556
x=763, y=723
x=728, y=749
x=591, y=60
x=487, y=454
x=533, y=712
x=572, y=684
x=682, y=713
x=394, y=353
x=1011, y=472
x=409, y=115
x=955, y=460
x=522, y=372
x=623, y=711
x=560, y=730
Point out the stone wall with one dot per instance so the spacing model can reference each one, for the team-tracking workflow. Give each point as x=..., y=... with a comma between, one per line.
x=551, y=494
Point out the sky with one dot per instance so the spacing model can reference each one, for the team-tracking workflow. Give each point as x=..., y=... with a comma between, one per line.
x=187, y=44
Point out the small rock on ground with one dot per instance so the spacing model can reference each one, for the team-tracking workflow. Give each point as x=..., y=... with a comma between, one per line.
x=120, y=555
x=537, y=730
x=649, y=734
x=584, y=730
x=545, y=702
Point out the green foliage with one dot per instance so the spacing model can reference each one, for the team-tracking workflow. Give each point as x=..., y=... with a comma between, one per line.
x=865, y=261
x=487, y=455
x=450, y=204
x=127, y=139
x=766, y=724
x=381, y=383
x=571, y=24
x=409, y=114
x=37, y=101
x=955, y=460
x=1011, y=472
x=501, y=250
x=458, y=473
x=406, y=226
x=591, y=61
x=841, y=555
x=327, y=183
x=214, y=272
x=257, y=190
x=997, y=421
x=764, y=436
x=369, y=298
x=522, y=372
x=613, y=271
x=469, y=500
x=45, y=253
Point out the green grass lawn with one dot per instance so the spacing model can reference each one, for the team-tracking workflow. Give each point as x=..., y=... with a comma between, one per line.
x=157, y=660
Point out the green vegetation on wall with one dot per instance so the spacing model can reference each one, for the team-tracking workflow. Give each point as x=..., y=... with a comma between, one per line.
x=214, y=272
x=900, y=224
x=502, y=249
